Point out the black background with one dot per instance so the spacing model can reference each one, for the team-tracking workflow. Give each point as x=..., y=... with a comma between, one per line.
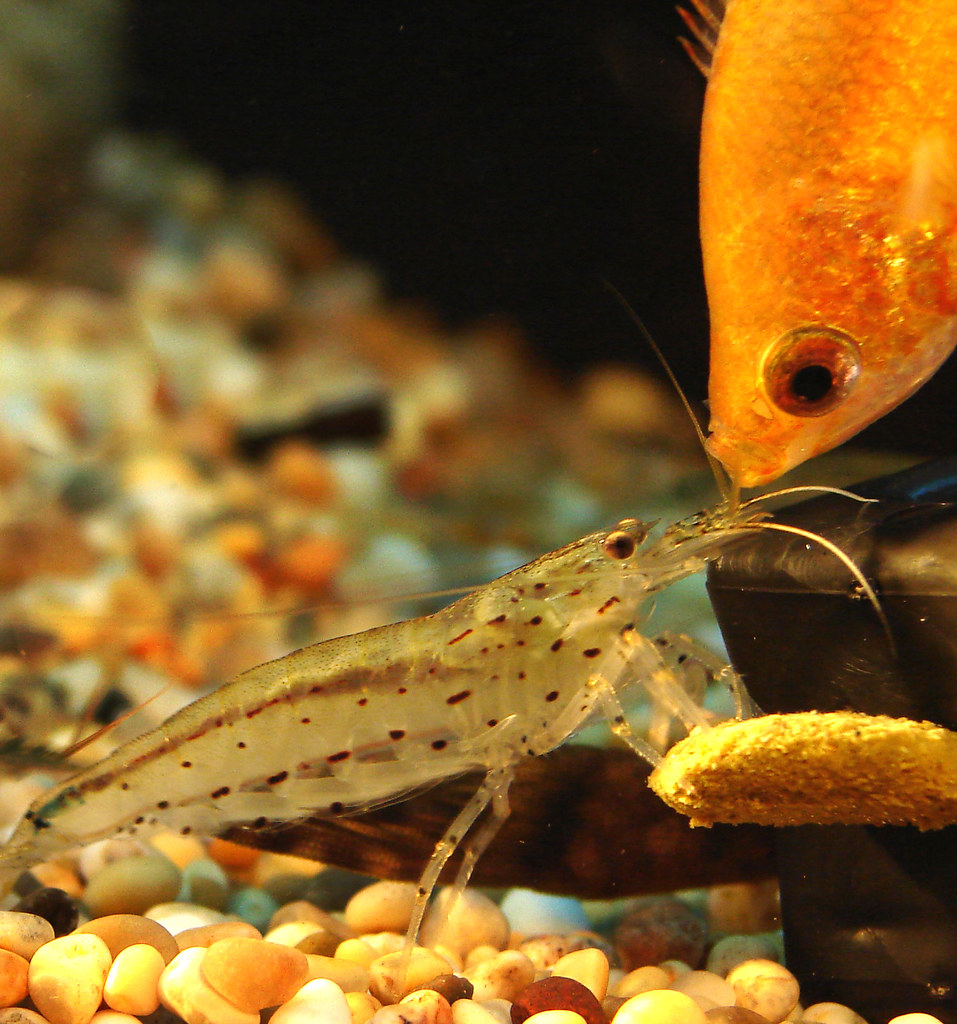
x=486, y=157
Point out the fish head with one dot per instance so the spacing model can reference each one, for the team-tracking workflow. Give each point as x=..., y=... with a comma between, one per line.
x=810, y=387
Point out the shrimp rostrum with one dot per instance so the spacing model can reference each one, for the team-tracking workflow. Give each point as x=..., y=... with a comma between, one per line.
x=509, y=671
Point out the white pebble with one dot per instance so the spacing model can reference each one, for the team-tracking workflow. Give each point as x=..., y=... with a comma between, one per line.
x=660, y=1007
x=915, y=1018
x=555, y=1017
x=711, y=987
x=184, y=990
x=766, y=987
x=318, y=1000
x=589, y=966
x=501, y=977
x=535, y=913
x=24, y=934
x=177, y=917
x=474, y=921
x=468, y=1011
x=381, y=907
x=835, y=1013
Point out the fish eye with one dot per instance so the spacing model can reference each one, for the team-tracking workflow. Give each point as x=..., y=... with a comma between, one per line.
x=623, y=542
x=811, y=370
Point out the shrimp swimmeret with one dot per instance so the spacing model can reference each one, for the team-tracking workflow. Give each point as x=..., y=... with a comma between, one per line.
x=509, y=671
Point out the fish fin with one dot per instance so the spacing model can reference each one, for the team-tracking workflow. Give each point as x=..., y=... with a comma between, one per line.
x=929, y=193
x=704, y=23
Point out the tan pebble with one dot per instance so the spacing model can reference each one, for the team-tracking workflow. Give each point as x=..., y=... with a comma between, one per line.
x=206, y=934
x=358, y=951
x=252, y=973
x=735, y=949
x=675, y=968
x=21, y=1015
x=241, y=280
x=131, y=985
x=468, y=1011
x=739, y=1015
x=114, y=1017
x=269, y=865
x=183, y=990
x=24, y=934
x=556, y=1017
x=643, y=979
x=181, y=850
x=503, y=976
x=915, y=1018
x=317, y=1002
x=766, y=987
x=350, y=977
x=388, y=982
x=132, y=885
x=320, y=942
x=834, y=1013
x=474, y=921
x=303, y=910
x=661, y=1006
x=362, y=1006
x=381, y=907
x=589, y=966
x=121, y=930
x=427, y=1006
x=67, y=976
x=546, y=950
x=705, y=987
x=744, y=908
x=480, y=953
x=13, y=977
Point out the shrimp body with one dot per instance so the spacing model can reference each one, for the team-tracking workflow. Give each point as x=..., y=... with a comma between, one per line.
x=508, y=671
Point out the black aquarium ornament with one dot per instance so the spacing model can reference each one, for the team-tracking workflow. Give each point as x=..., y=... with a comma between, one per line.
x=869, y=912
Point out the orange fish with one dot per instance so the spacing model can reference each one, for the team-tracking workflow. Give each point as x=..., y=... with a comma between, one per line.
x=828, y=218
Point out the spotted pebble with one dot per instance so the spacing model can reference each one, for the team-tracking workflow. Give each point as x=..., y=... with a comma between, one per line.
x=766, y=987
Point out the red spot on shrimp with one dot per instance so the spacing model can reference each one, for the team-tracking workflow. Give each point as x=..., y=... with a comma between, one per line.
x=241, y=744
x=540, y=586
x=396, y=734
x=221, y=792
x=337, y=807
x=186, y=764
x=535, y=620
x=315, y=689
x=496, y=620
x=362, y=701
x=521, y=675
x=439, y=744
x=274, y=780
x=574, y=593
x=557, y=644
x=461, y=636
x=611, y=600
x=341, y=756
x=591, y=652
x=492, y=722
x=457, y=698
x=305, y=721
x=551, y=695
x=162, y=804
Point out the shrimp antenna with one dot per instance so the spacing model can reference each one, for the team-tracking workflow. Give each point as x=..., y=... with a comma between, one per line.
x=842, y=556
x=725, y=486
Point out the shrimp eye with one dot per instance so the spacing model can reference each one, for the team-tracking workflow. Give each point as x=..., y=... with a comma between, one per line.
x=619, y=544
x=811, y=370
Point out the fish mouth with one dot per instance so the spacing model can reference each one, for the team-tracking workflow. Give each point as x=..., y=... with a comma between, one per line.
x=748, y=462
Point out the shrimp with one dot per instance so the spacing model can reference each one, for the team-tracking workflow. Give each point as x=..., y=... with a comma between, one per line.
x=507, y=672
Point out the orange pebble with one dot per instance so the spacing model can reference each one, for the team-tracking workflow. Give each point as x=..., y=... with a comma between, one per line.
x=311, y=563
x=14, y=971
x=303, y=472
x=232, y=855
